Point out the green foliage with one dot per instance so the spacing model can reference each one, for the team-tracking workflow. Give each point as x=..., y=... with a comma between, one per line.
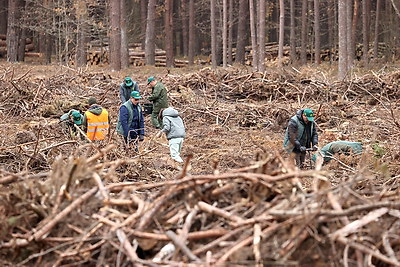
x=378, y=150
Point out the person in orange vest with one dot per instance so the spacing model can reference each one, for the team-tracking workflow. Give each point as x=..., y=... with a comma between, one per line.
x=96, y=121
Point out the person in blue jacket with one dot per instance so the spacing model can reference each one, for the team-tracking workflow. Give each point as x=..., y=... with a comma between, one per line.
x=131, y=121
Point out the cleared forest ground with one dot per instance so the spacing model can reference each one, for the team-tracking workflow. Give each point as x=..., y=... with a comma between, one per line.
x=65, y=201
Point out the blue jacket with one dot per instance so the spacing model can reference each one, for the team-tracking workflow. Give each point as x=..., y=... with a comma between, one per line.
x=130, y=118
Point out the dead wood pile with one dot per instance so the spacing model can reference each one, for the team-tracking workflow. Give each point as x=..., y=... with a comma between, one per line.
x=237, y=200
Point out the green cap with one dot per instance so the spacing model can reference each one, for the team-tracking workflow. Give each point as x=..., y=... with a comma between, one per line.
x=128, y=81
x=309, y=114
x=136, y=95
x=76, y=115
x=150, y=79
x=92, y=101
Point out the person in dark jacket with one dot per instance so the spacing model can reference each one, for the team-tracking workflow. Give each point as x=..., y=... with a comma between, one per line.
x=301, y=133
x=130, y=120
x=338, y=147
x=159, y=98
x=126, y=88
x=174, y=129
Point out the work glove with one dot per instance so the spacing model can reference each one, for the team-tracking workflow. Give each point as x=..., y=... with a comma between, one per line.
x=297, y=144
x=303, y=149
x=314, y=148
x=141, y=137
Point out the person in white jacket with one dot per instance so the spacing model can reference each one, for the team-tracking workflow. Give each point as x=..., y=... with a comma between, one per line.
x=174, y=129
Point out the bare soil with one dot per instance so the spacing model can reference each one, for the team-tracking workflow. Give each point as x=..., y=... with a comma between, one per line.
x=64, y=201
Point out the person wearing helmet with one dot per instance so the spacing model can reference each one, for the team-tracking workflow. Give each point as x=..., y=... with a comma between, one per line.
x=69, y=119
x=126, y=88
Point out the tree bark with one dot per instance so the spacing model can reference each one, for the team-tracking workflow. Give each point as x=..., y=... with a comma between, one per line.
x=350, y=46
x=124, y=36
x=192, y=32
x=185, y=38
x=150, y=46
x=82, y=16
x=12, y=30
x=377, y=33
x=143, y=22
x=281, y=31
x=169, y=41
x=292, y=39
x=253, y=35
x=303, y=49
x=213, y=35
x=342, y=40
x=3, y=16
x=230, y=32
x=365, y=30
x=115, y=35
x=224, y=33
x=261, y=36
x=317, y=31
x=242, y=32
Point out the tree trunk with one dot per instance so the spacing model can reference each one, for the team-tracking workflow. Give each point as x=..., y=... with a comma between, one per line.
x=261, y=36
x=3, y=16
x=192, y=32
x=303, y=50
x=82, y=16
x=365, y=30
x=169, y=35
x=12, y=30
x=293, y=57
x=242, y=32
x=317, y=31
x=230, y=32
x=143, y=22
x=281, y=31
x=185, y=38
x=213, y=34
x=331, y=28
x=354, y=29
x=377, y=18
x=342, y=40
x=115, y=35
x=253, y=35
x=349, y=20
x=150, y=46
x=124, y=36
x=224, y=33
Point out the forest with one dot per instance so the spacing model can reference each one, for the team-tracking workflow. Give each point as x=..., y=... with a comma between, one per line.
x=237, y=72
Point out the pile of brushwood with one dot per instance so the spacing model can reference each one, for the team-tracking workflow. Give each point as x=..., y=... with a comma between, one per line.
x=237, y=199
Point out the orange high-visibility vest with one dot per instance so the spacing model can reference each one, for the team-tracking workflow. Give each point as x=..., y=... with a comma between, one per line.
x=97, y=125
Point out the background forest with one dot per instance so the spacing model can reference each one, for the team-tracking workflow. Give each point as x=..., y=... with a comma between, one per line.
x=218, y=31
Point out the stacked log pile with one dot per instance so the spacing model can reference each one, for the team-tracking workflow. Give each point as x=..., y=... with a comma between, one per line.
x=29, y=46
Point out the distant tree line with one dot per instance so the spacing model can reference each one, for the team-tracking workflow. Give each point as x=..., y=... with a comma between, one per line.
x=221, y=29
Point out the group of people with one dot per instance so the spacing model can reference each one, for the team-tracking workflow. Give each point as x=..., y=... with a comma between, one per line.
x=95, y=123
x=301, y=136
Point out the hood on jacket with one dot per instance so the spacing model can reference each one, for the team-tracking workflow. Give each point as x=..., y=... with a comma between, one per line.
x=299, y=115
x=170, y=112
x=95, y=109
